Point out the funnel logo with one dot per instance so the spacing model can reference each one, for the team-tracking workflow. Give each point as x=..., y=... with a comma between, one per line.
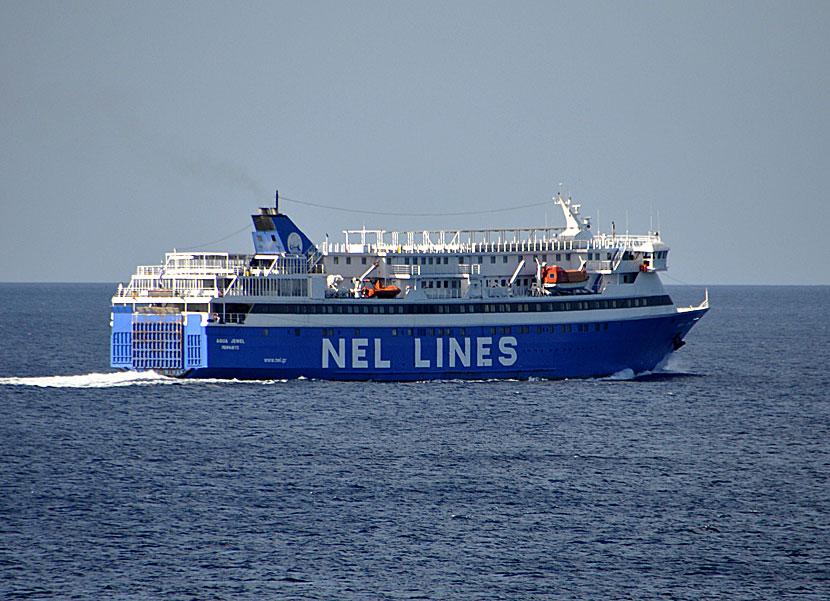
x=295, y=243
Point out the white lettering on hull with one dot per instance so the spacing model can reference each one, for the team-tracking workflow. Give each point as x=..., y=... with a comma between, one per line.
x=359, y=353
x=418, y=361
x=339, y=355
x=483, y=351
x=507, y=348
x=455, y=353
x=379, y=362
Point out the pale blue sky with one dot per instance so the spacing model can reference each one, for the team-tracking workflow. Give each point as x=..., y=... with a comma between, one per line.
x=129, y=129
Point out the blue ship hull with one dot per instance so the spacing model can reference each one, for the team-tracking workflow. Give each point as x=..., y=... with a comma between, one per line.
x=189, y=349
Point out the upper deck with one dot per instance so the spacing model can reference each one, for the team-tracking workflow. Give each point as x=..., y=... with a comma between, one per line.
x=423, y=264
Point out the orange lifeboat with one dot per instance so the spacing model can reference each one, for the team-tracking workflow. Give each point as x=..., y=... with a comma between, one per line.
x=380, y=291
x=554, y=276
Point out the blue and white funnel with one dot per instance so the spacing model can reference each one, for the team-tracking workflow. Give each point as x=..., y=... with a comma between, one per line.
x=277, y=234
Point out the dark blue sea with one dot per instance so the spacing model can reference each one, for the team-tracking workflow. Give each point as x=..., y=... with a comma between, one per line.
x=708, y=480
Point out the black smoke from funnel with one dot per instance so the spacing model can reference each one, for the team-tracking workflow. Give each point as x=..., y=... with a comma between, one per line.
x=220, y=173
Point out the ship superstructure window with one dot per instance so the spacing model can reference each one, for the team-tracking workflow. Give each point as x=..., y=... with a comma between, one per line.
x=348, y=260
x=368, y=307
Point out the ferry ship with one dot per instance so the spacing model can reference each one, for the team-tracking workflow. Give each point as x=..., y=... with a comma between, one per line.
x=546, y=302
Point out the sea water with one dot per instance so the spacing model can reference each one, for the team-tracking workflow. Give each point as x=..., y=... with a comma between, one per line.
x=706, y=480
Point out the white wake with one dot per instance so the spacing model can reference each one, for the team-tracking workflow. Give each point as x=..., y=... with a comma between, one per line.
x=126, y=378
x=102, y=380
x=669, y=365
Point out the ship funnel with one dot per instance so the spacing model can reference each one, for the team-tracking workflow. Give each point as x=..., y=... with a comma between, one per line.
x=277, y=234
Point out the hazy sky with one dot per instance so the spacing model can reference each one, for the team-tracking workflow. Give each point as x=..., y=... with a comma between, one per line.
x=131, y=128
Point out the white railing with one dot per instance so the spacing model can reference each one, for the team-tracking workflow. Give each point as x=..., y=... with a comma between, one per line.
x=454, y=242
x=405, y=269
x=259, y=286
x=474, y=269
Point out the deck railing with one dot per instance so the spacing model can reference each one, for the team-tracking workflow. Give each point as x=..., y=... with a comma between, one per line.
x=410, y=245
